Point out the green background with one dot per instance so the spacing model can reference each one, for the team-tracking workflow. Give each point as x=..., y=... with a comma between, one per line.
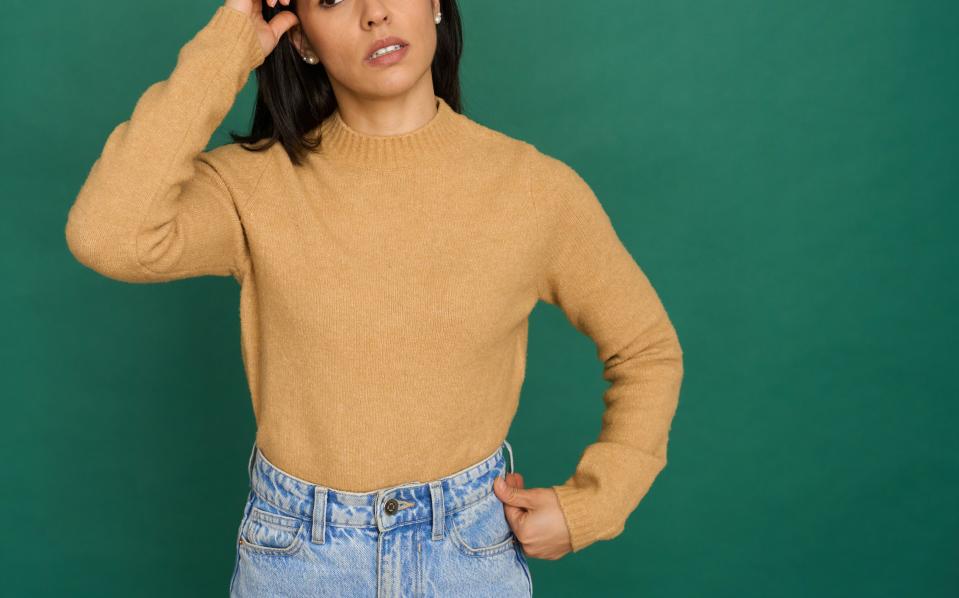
x=786, y=175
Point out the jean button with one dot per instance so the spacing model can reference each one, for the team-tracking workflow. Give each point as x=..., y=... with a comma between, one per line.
x=390, y=506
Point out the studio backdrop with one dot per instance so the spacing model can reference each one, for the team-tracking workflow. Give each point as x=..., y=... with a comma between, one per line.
x=784, y=173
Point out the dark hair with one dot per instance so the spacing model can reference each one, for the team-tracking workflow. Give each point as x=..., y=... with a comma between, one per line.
x=294, y=97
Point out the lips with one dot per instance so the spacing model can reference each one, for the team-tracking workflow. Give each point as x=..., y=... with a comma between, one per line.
x=383, y=42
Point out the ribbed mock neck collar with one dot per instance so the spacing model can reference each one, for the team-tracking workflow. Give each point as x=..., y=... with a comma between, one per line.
x=434, y=139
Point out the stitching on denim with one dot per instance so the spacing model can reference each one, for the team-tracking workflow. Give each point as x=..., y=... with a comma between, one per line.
x=494, y=549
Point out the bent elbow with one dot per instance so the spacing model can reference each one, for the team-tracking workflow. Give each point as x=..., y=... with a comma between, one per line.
x=105, y=251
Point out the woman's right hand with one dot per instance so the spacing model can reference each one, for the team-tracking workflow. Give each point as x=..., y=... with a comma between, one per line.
x=270, y=32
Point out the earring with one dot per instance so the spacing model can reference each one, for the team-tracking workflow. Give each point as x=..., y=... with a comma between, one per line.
x=311, y=59
x=438, y=18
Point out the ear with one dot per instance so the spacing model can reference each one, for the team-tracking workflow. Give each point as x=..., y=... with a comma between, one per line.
x=296, y=37
x=300, y=41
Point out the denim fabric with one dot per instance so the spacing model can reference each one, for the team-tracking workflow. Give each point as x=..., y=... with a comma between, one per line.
x=441, y=538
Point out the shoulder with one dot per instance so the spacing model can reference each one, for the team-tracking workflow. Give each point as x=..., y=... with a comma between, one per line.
x=539, y=165
x=240, y=169
x=548, y=171
x=550, y=182
x=492, y=143
x=554, y=183
x=235, y=157
x=560, y=194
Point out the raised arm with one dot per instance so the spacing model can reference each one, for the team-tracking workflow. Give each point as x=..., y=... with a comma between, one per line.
x=155, y=206
x=604, y=294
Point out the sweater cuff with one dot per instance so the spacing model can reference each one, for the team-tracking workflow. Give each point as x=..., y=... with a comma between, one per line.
x=579, y=512
x=233, y=24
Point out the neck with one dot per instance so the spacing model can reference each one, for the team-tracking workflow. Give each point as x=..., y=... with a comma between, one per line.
x=434, y=139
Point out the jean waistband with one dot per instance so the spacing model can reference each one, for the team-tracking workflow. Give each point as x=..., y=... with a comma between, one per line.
x=384, y=508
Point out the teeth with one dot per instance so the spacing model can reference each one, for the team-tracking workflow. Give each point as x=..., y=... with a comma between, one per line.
x=385, y=50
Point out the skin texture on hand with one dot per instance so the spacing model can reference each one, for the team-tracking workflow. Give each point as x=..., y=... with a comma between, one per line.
x=269, y=33
x=535, y=516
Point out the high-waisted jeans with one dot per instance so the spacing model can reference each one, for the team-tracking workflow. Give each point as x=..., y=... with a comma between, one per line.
x=447, y=537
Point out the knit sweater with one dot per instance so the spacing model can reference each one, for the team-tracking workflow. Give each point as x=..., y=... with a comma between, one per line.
x=386, y=283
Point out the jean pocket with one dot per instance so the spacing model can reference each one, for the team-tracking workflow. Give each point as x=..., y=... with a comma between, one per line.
x=481, y=529
x=268, y=532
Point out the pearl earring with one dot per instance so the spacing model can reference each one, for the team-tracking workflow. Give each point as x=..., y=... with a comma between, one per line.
x=438, y=18
x=311, y=59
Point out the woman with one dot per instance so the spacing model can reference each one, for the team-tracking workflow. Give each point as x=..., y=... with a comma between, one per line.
x=389, y=251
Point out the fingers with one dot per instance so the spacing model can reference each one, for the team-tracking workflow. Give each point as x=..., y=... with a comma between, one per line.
x=282, y=22
x=514, y=516
x=273, y=3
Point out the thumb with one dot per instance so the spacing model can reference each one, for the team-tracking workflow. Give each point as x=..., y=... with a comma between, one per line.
x=512, y=495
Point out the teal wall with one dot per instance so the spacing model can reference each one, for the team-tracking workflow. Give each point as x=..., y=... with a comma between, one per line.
x=785, y=173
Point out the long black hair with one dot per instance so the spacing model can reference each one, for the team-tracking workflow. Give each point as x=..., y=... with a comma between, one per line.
x=294, y=97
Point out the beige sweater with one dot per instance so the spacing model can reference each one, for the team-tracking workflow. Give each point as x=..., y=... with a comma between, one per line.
x=386, y=284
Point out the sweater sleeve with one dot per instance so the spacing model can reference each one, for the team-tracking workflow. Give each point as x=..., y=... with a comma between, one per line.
x=604, y=294
x=155, y=206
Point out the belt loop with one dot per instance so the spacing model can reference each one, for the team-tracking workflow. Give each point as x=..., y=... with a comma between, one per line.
x=509, y=449
x=439, y=510
x=249, y=466
x=319, y=514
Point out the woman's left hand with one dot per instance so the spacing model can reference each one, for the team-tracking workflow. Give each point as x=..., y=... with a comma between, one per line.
x=535, y=517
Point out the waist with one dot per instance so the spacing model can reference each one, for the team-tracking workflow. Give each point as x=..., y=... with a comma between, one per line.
x=383, y=508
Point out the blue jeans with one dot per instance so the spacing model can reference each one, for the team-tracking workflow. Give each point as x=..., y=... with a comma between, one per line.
x=446, y=537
